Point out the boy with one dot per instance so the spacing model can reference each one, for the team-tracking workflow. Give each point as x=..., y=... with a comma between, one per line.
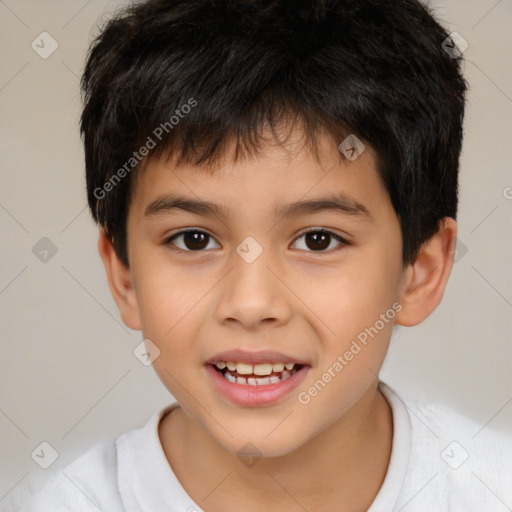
x=276, y=187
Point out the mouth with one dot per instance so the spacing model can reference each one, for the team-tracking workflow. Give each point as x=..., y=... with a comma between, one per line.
x=262, y=374
x=255, y=380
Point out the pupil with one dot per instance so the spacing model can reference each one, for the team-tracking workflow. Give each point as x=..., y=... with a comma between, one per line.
x=195, y=240
x=320, y=239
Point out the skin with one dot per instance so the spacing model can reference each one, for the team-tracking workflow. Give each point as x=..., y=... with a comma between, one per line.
x=304, y=303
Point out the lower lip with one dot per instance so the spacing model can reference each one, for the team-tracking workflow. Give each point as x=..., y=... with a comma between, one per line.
x=256, y=396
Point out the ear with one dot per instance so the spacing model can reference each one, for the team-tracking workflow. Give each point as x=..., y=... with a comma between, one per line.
x=425, y=279
x=119, y=282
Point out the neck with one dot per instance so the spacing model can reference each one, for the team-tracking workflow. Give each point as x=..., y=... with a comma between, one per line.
x=344, y=465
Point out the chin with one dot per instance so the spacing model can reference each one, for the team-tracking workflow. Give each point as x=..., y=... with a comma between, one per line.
x=250, y=451
x=257, y=442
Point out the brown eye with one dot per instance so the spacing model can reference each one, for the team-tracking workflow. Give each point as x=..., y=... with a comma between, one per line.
x=191, y=240
x=318, y=240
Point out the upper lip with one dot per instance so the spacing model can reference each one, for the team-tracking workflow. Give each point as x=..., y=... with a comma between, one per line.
x=261, y=356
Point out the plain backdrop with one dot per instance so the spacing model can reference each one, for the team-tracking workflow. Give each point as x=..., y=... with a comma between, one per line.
x=68, y=375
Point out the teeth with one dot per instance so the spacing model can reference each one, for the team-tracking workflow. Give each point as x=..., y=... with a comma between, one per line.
x=251, y=381
x=262, y=369
x=230, y=377
x=244, y=368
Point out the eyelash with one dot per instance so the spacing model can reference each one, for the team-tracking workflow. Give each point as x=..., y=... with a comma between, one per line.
x=343, y=242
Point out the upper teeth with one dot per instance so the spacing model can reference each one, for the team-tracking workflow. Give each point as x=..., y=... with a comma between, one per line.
x=256, y=369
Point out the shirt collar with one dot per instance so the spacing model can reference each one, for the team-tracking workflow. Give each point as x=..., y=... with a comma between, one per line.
x=147, y=482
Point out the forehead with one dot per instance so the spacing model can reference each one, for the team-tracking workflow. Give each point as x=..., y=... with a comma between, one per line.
x=268, y=180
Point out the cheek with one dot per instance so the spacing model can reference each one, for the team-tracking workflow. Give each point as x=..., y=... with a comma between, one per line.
x=167, y=293
x=354, y=314
x=356, y=305
x=171, y=310
x=351, y=297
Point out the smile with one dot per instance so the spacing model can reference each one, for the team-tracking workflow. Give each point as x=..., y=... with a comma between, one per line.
x=258, y=385
x=263, y=374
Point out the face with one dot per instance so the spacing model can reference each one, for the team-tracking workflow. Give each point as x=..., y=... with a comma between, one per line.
x=293, y=260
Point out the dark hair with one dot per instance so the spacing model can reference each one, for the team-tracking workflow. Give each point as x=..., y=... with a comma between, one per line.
x=374, y=68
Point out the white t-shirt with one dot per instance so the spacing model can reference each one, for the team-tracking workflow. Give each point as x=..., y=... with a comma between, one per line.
x=440, y=462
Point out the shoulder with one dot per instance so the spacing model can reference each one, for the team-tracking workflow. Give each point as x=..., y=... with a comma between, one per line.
x=87, y=484
x=92, y=481
x=456, y=462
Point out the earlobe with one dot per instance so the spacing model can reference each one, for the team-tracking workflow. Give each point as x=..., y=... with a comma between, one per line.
x=120, y=282
x=425, y=279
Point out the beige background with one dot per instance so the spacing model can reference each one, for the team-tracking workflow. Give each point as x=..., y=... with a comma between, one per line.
x=68, y=375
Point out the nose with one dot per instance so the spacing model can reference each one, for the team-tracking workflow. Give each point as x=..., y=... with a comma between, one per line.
x=254, y=293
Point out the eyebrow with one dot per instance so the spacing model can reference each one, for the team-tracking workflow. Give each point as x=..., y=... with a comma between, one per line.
x=338, y=203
